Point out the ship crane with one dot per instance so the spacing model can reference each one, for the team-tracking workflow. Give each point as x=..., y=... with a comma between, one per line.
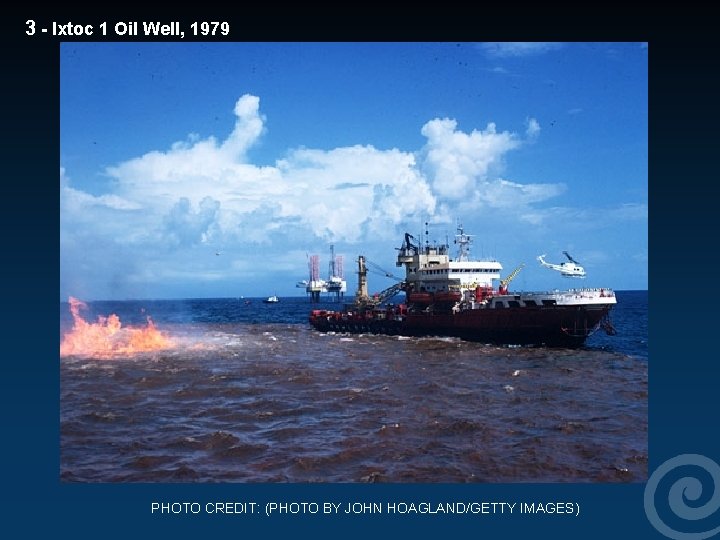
x=567, y=269
x=380, y=271
x=387, y=294
x=505, y=282
x=362, y=298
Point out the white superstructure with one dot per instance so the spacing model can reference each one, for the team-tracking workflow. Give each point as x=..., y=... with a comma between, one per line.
x=430, y=269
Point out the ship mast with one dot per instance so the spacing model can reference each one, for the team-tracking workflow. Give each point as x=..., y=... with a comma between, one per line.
x=361, y=295
x=463, y=241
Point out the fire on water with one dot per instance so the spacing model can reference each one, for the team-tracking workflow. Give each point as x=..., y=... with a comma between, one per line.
x=107, y=337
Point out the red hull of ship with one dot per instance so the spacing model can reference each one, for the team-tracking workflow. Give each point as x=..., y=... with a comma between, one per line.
x=562, y=326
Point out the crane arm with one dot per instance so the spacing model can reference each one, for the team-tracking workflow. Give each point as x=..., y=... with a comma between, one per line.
x=375, y=268
x=504, y=282
x=382, y=296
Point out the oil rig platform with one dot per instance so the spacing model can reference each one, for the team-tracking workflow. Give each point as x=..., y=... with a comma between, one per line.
x=335, y=285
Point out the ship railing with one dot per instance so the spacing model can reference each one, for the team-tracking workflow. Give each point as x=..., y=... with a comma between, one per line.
x=601, y=291
x=608, y=292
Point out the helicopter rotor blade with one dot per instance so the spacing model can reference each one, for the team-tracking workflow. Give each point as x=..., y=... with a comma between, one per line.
x=570, y=258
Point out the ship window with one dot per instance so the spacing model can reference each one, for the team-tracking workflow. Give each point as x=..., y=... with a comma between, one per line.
x=499, y=304
x=530, y=303
x=549, y=302
x=514, y=303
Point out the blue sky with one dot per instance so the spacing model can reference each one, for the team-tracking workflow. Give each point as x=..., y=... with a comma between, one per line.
x=171, y=153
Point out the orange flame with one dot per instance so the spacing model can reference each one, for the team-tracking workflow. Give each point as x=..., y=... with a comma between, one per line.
x=107, y=338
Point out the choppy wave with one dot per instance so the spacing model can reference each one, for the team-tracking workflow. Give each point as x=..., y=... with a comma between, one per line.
x=278, y=402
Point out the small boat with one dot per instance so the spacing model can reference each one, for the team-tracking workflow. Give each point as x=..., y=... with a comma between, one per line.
x=271, y=300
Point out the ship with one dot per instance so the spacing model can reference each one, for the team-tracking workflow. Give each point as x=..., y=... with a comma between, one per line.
x=468, y=299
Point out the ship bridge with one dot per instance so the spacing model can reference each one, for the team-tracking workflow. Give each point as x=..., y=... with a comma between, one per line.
x=430, y=268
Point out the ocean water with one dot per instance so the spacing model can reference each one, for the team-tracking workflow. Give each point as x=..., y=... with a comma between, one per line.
x=249, y=392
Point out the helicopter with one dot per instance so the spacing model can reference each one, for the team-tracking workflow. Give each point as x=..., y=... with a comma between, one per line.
x=568, y=269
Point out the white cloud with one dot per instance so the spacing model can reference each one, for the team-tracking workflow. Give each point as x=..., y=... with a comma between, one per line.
x=248, y=126
x=185, y=226
x=503, y=193
x=586, y=218
x=168, y=212
x=504, y=49
x=456, y=161
x=630, y=212
x=377, y=180
x=533, y=128
x=176, y=182
x=77, y=202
